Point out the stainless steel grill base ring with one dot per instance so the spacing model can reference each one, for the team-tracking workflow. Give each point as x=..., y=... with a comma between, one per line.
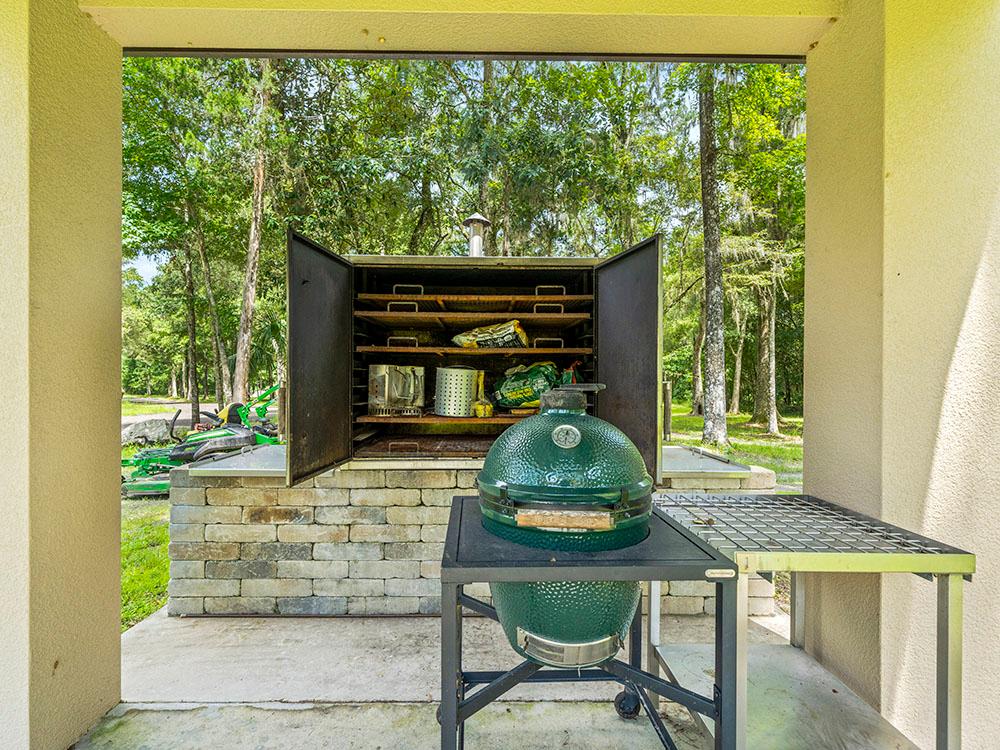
x=557, y=654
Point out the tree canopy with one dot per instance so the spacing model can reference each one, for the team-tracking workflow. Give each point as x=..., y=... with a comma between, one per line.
x=389, y=156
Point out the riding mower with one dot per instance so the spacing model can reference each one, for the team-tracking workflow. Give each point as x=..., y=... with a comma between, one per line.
x=230, y=429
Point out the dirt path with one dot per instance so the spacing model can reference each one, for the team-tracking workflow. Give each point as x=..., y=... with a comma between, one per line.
x=184, y=420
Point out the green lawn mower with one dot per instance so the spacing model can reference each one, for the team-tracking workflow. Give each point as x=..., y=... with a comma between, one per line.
x=235, y=427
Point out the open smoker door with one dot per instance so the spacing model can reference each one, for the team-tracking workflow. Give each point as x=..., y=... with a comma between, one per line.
x=629, y=314
x=318, y=411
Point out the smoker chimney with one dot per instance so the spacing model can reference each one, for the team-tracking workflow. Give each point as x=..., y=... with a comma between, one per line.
x=477, y=224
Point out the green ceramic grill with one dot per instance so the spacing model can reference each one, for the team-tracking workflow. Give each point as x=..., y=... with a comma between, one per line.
x=564, y=480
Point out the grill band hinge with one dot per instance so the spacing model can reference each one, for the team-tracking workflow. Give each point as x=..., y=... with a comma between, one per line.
x=558, y=654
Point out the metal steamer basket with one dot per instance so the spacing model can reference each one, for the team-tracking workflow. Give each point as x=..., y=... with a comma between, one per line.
x=455, y=391
x=564, y=480
x=395, y=390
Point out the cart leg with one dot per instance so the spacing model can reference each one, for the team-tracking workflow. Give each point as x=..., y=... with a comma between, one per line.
x=797, y=600
x=635, y=639
x=742, y=671
x=653, y=637
x=451, y=664
x=949, y=662
x=634, y=660
x=727, y=730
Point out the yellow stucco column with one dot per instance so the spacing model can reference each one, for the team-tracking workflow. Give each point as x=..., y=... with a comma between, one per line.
x=941, y=343
x=843, y=324
x=902, y=318
x=903, y=336
x=60, y=167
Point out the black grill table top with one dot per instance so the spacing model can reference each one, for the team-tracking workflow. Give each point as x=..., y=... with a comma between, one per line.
x=669, y=552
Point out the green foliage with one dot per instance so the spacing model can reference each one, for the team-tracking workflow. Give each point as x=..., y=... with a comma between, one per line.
x=388, y=157
x=761, y=134
x=677, y=367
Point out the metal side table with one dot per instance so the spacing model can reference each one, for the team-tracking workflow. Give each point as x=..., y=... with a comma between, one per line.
x=803, y=534
x=670, y=552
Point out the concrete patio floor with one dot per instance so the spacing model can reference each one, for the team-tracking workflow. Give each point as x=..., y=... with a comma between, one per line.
x=364, y=683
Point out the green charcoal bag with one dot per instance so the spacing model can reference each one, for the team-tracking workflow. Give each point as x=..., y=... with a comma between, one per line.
x=523, y=386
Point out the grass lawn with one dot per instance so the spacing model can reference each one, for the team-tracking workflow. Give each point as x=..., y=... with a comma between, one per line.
x=145, y=567
x=749, y=444
x=131, y=408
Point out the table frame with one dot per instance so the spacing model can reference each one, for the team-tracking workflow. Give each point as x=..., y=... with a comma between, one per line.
x=947, y=565
x=456, y=706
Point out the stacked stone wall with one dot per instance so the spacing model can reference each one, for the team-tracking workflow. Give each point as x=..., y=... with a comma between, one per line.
x=354, y=541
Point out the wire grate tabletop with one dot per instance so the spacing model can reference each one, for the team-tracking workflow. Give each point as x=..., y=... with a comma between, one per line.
x=791, y=524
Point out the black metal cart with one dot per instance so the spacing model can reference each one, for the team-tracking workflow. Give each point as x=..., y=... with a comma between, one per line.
x=669, y=553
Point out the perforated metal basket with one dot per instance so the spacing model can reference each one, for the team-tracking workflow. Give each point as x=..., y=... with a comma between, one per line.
x=455, y=391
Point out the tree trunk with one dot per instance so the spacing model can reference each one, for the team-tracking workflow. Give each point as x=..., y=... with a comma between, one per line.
x=714, y=430
x=204, y=380
x=241, y=376
x=425, y=216
x=741, y=337
x=192, y=350
x=173, y=382
x=223, y=381
x=697, y=384
x=765, y=408
x=487, y=167
x=505, y=218
x=279, y=362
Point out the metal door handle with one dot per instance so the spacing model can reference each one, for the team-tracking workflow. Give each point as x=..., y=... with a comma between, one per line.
x=406, y=341
x=419, y=288
x=553, y=307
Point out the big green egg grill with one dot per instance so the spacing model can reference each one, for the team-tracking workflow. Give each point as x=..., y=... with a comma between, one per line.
x=565, y=480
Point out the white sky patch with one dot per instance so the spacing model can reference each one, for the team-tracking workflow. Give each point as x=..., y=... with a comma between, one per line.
x=146, y=266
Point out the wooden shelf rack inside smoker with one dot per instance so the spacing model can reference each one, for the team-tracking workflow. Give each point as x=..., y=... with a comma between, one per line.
x=459, y=351
x=438, y=419
x=457, y=320
x=506, y=303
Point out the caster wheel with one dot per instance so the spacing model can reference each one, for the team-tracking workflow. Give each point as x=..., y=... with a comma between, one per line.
x=627, y=705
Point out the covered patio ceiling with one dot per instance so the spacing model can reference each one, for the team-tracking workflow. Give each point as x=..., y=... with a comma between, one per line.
x=639, y=27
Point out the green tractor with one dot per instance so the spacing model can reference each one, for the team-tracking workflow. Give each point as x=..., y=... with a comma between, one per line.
x=235, y=427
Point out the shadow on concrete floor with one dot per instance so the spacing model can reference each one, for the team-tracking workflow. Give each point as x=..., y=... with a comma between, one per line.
x=337, y=659
x=366, y=683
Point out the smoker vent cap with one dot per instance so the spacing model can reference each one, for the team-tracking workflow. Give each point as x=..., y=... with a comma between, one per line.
x=476, y=218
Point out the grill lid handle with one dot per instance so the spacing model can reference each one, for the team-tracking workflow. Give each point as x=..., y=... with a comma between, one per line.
x=572, y=396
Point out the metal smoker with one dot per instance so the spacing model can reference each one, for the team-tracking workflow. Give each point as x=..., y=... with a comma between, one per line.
x=564, y=480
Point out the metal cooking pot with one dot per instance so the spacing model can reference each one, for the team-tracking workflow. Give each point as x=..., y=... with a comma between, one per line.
x=565, y=480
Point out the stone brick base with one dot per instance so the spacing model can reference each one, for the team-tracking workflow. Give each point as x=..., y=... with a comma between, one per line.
x=365, y=539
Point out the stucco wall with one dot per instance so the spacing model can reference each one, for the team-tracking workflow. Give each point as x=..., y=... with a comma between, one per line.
x=941, y=348
x=617, y=26
x=901, y=352
x=60, y=303
x=843, y=324
x=14, y=663
x=902, y=289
